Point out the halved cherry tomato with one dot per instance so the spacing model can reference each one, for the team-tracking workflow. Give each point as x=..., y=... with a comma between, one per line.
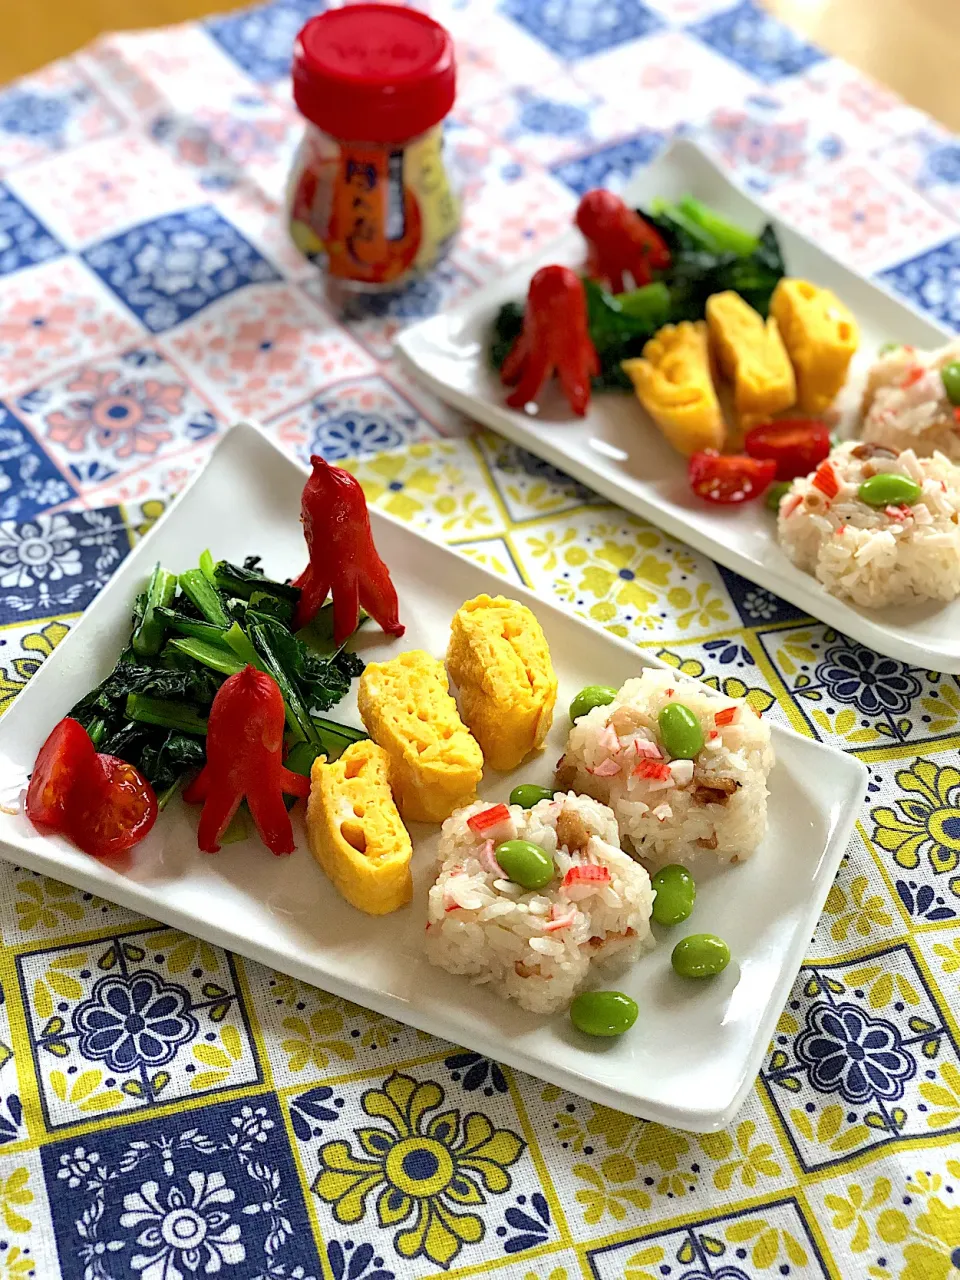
x=112, y=809
x=796, y=445
x=730, y=478
x=66, y=754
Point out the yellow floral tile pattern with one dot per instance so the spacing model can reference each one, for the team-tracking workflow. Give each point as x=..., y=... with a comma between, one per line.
x=622, y=573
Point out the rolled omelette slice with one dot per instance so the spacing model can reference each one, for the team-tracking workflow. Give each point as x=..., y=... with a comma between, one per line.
x=821, y=337
x=751, y=353
x=674, y=384
x=354, y=830
x=435, y=762
x=499, y=660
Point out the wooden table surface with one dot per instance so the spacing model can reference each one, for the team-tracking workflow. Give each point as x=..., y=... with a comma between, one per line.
x=914, y=48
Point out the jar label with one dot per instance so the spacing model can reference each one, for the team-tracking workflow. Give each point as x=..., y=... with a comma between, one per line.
x=374, y=213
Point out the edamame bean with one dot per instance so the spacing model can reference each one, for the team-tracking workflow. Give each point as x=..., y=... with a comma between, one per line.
x=887, y=489
x=680, y=731
x=603, y=1013
x=701, y=955
x=525, y=863
x=528, y=794
x=594, y=695
x=775, y=493
x=950, y=374
x=676, y=894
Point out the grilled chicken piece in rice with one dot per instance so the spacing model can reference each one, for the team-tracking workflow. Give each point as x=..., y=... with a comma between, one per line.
x=537, y=946
x=875, y=556
x=674, y=810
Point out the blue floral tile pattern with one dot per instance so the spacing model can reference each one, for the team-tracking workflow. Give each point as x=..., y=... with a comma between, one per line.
x=931, y=281
x=611, y=166
x=757, y=42
x=576, y=28
x=755, y=605
x=136, y=1021
x=261, y=40
x=169, y=269
x=874, y=685
x=542, y=115
x=186, y=1195
x=57, y=563
x=354, y=418
x=50, y=111
x=348, y=435
x=28, y=114
x=858, y=1056
x=846, y=692
x=29, y=481
x=942, y=165
x=24, y=240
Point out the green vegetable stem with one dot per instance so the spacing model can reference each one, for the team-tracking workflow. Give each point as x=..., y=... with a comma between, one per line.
x=725, y=235
x=213, y=656
x=184, y=626
x=148, y=635
x=239, y=642
x=206, y=567
x=204, y=596
x=169, y=715
x=243, y=581
x=298, y=717
x=335, y=738
x=301, y=756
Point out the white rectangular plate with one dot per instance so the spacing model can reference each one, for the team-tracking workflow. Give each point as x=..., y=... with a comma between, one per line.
x=696, y=1048
x=617, y=450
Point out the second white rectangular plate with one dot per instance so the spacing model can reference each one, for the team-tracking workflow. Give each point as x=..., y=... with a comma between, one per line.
x=617, y=450
x=696, y=1048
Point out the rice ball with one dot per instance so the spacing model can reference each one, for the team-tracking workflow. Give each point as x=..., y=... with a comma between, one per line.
x=537, y=946
x=674, y=810
x=875, y=556
x=905, y=405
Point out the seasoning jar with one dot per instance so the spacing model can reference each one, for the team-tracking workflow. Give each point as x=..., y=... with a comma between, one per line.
x=370, y=197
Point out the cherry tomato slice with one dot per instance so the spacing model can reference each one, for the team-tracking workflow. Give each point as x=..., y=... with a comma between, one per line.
x=113, y=811
x=729, y=479
x=796, y=445
x=67, y=753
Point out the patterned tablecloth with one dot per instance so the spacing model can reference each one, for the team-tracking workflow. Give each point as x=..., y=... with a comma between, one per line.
x=169, y=1111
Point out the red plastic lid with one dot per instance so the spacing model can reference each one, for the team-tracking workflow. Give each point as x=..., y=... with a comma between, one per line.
x=374, y=72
